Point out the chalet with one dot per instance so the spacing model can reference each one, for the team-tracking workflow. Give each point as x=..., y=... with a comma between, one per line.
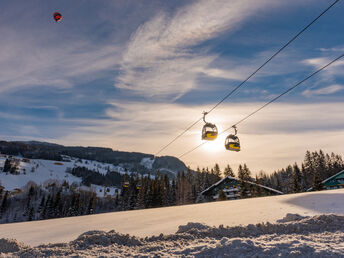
x=231, y=188
x=334, y=182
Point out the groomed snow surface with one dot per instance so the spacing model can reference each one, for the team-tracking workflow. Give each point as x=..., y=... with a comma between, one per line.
x=302, y=225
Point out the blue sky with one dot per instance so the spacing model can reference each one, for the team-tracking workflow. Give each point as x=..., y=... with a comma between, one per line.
x=131, y=75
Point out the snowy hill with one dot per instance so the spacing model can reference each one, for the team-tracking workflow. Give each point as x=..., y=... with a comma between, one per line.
x=166, y=220
x=132, y=161
x=44, y=171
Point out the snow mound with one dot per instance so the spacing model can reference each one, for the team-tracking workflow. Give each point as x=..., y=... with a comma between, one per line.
x=318, y=236
x=297, y=225
x=291, y=217
x=192, y=227
x=103, y=238
x=10, y=245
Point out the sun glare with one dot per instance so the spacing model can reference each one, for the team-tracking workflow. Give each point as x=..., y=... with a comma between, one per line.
x=215, y=146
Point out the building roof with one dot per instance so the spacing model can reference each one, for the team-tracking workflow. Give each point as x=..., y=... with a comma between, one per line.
x=233, y=178
x=330, y=178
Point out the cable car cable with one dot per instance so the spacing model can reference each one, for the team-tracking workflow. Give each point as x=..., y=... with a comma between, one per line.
x=178, y=136
x=249, y=77
x=268, y=103
x=267, y=61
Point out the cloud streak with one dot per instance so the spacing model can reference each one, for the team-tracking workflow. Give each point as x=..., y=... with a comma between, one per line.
x=159, y=60
x=323, y=91
x=53, y=66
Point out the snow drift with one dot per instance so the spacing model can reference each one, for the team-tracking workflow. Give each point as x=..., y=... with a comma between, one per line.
x=294, y=235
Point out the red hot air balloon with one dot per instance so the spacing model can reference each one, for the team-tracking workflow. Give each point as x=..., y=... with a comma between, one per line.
x=57, y=17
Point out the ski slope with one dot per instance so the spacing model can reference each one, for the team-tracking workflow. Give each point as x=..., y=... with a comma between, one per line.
x=166, y=220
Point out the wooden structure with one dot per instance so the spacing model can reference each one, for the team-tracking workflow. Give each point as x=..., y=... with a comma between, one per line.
x=231, y=188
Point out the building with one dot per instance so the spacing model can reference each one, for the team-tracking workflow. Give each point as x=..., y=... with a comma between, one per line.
x=334, y=182
x=231, y=188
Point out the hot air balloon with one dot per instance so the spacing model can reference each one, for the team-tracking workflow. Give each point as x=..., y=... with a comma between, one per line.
x=57, y=17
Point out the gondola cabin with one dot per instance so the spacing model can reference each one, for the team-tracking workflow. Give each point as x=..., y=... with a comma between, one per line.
x=209, y=132
x=232, y=143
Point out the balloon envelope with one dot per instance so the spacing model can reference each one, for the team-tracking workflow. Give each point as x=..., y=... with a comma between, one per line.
x=57, y=17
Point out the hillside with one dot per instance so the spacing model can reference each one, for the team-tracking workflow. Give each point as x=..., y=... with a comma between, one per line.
x=133, y=161
x=42, y=172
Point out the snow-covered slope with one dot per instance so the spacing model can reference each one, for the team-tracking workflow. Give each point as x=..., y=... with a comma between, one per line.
x=41, y=171
x=142, y=163
x=166, y=220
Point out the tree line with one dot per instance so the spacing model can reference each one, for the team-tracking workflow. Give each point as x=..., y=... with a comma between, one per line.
x=315, y=168
x=138, y=191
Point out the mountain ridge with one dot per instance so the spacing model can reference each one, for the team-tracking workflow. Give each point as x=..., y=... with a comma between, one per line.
x=130, y=160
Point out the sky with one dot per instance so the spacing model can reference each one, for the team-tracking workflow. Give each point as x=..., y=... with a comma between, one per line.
x=132, y=75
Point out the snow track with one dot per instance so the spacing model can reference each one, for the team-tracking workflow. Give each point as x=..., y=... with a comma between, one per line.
x=142, y=223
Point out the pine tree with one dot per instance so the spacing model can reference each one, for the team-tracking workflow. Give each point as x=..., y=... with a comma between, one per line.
x=317, y=182
x=44, y=212
x=229, y=171
x=247, y=173
x=4, y=204
x=257, y=189
x=31, y=214
x=57, y=205
x=217, y=171
x=91, y=204
x=308, y=169
x=243, y=178
x=287, y=179
x=296, y=181
x=7, y=166
x=41, y=205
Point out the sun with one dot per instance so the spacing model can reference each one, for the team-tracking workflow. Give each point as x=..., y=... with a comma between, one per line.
x=215, y=146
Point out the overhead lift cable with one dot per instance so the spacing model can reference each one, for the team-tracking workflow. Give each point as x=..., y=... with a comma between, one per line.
x=268, y=103
x=249, y=77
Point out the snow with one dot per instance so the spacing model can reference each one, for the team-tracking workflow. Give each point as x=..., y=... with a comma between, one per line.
x=149, y=222
x=47, y=170
x=147, y=163
x=317, y=236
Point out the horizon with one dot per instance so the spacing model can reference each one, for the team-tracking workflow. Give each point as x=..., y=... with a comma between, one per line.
x=235, y=169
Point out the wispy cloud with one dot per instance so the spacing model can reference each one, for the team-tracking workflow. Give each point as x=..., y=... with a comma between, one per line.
x=37, y=52
x=332, y=49
x=58, y=65
x=334, y=70
x=323, y=91
x=331, y=76
x=159, y=60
